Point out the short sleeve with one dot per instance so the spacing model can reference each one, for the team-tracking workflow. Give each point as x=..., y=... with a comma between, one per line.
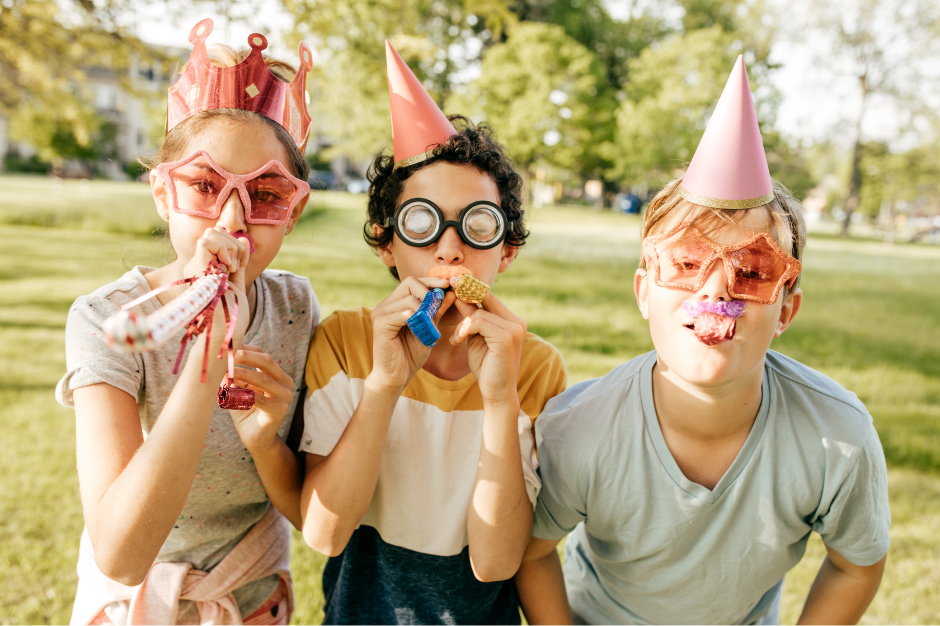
x=542, y=376
x=332, y=395
x=857, y=522
x=89, y=359
x=562, y=500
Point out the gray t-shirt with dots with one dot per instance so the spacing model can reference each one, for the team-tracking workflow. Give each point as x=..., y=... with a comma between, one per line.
x=227, y=497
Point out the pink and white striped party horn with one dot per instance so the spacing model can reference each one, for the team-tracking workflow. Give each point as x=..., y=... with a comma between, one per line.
x=194, y=310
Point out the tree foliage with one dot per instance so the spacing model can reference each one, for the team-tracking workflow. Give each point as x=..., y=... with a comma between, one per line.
x=547, y=98
x=349, y=90
x=888, y=48
x=45, y=46
x=672, y=90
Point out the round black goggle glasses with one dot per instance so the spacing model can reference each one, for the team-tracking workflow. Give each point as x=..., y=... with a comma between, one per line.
x=419, y=222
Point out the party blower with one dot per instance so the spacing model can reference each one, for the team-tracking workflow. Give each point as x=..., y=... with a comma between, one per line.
x=468, y=289
x=194, y=310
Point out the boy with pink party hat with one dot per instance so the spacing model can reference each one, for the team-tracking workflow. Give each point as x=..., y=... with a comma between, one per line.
x=692, y=476
x=420, y=466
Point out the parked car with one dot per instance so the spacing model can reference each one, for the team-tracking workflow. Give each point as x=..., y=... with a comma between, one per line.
x=357, y=186
x=321, y=180
x=627, y=203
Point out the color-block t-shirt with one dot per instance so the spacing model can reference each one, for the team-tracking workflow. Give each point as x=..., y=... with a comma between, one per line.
x=226, y=498
x=650, y=546
x=408, y=562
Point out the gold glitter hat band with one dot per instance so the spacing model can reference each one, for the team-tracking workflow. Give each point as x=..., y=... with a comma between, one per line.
x=418, y=158
x=717, y=203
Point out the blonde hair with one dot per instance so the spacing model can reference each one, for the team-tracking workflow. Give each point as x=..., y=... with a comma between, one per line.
x=786, y=214
x=180, y=135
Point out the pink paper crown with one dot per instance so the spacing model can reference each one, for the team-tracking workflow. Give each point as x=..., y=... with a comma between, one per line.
x=249, y=86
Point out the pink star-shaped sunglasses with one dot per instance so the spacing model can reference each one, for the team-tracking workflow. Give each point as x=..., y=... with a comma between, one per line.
x=755, y=269
x=198, y=186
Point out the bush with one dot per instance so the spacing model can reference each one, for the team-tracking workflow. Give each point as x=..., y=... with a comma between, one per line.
x=14, y=163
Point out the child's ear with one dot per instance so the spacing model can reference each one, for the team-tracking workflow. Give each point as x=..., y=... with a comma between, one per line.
x=509, y=255
x=791, y=306
x=642, y=292
x=160, y=196
x=385, y=252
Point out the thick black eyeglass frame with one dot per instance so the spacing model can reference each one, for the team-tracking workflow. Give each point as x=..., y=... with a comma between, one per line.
x=442, y=224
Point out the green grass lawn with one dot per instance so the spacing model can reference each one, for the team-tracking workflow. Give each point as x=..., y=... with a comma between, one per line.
x=869, y=320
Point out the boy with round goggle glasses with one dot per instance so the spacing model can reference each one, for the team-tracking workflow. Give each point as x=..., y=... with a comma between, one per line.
x=421, y=467
x=419, y=222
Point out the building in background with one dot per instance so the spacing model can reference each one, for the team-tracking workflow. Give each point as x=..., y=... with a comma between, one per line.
x=131, y=101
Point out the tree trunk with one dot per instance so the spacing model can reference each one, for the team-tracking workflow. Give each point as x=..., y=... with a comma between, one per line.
x=855, y=180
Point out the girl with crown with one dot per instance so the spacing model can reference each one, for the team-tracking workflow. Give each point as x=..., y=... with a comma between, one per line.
x=179, y=527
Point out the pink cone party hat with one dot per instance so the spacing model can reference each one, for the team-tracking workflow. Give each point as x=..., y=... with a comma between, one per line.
x=729, y=169
x=418, y=125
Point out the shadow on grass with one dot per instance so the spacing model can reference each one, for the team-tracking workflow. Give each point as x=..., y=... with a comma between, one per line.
x=4, y=324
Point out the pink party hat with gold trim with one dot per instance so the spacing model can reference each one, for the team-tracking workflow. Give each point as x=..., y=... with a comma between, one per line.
x=418, y=125
x=729, y=169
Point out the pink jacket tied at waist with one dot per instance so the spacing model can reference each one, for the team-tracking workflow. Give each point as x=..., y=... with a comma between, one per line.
x=264, y=551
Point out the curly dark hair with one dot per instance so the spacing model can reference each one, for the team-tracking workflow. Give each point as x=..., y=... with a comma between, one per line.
x=473, y=145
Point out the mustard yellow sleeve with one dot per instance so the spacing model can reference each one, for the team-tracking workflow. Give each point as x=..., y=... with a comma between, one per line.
x=338, y=362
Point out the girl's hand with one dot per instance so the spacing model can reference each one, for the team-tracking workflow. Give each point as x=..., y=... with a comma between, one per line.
x=494, y=337
x=216, y=244
x=273, y=389
x=397, y=354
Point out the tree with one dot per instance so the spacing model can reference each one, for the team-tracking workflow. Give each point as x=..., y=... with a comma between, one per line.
x=589, y=23
x=547, y=98
x=889, y=47
x=44, y=46
x=672, y=90
x=348, y=87
x=444, y=42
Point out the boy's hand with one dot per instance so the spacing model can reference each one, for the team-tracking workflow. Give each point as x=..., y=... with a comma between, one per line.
x=257, y=427
x=494, y=337
x=397, y=353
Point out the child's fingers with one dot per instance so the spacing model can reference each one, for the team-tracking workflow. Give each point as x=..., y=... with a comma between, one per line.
x=449, y=298
x=216, y=243
x=257, y=359
x=415, y=287
x=405, y=303
x=258, y=380
x=494, y=305
x=241, y=258
x=491, y=327
x=270, y=408
x=466, y=309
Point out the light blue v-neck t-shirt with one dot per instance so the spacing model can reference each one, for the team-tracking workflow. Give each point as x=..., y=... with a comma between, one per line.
x=650, y=546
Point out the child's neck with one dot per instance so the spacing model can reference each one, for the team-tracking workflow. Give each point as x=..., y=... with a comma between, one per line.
x=705, y=428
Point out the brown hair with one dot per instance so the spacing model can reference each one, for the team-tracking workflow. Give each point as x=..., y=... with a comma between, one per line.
x=473, y=145
x=786, y=214
x=180, y=135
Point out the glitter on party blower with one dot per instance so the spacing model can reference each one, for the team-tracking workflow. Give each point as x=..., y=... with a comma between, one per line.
x=468, y=289
x=714, y=321
x=194, y=310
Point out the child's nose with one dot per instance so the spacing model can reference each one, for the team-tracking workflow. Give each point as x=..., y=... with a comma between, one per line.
x=232, y=217
x=450, y=246
x=716, y=283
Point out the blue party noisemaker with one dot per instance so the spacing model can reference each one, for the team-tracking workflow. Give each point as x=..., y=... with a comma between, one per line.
x=422, y=322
